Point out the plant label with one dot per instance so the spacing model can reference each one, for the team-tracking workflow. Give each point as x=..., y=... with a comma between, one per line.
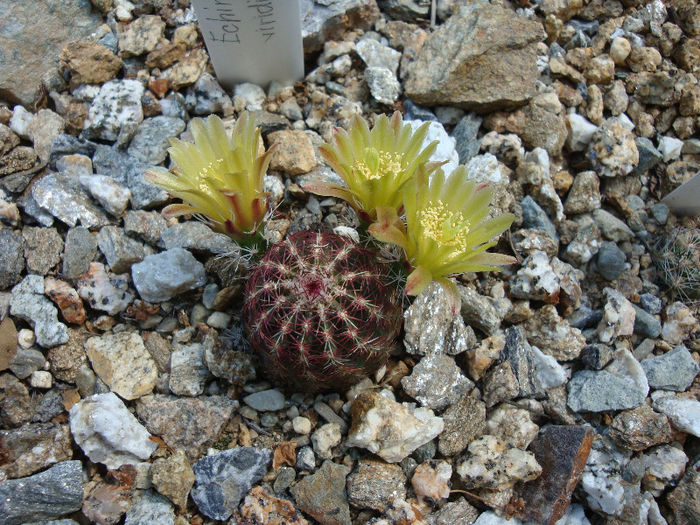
x=252, y=40
x=685, y=200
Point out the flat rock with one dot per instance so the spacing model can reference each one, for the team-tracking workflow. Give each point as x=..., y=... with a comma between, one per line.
x=562, y=451
x=684, y=413
x=123, y=363
x=221, y=480
x=294, y=152
x=188, y=373
x=31, y=40
x=265, y=401
x=482, y=58
x=554, y=335
x=173, y=477
x=64, y=198
x=602, y=391
x=322, y=494
x=108, y=433
x=90, y=62
x=375, y=484
x=463, y=422
x=323, y=21
x=164, y=275
x=111, y=195
x=260, y=507
x=34, y=447
x=640, y=428
x=29, y=303
x=478, y=311
x=189, y=424
x=44, y=496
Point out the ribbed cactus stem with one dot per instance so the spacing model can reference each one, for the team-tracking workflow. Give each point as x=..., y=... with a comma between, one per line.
x=321, y=311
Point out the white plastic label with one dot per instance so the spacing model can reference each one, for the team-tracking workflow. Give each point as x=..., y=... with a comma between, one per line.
x=685, y=200
x=252, y=40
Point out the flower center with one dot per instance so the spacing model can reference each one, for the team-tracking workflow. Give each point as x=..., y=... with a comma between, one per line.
x=378, y=164
x=444, y=226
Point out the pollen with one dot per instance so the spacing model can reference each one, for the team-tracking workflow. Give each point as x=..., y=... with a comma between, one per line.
x=446, y=227
x=378, y=164
x=210, y=171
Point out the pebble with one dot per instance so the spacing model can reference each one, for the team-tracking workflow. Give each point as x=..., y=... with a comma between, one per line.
x=375, y=54
x=375, y=484
x=150, y=509
x=390, y=429
x=45, y=496
x=301, y=425
x=684, y=413
x=42, y=249
x=26, y=361
x=190, y=424
x=601, y=480
x=196, y=236
x=29, y=303
x=41, y=379
x=683, y=500
x=674, y=370
x=553, y=335
x=260, y=506
x=612, y=150
x=383, y=85
x=249, y=96
x=670, y=148
x=322, y=495
x=610, y=261
x=478, y=311
x=104, y=290
x=63, y=197
x=151, y=141
x=11, y=257
x=162, y=276
x=222, y=479
x=266, y=400
x=116, y=111
x=293, y=152
x=113, y=197
x=602, y=391
x=173, y=477
x=511, y=425
x=120, y=251
x=618, y=317
x=679, y=323
x=108, y=433
x=640, y=428
x=446, y=145
x=141, y=36
x=123, y=363
x=33, y=447
x=493, y=464
x=188, y=372
x=535, y=279
x=611, y=227
x=207, y=97
x=465, y=134
x=325, y=438
x=79, y=249
x=663, y=466
x=436, y=382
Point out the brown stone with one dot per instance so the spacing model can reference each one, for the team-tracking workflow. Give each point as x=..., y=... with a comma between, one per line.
x=640, y=428
x=67, y=359
x=19, y=159
x=684, y=500
x=66, y=298
x=562, y=451
x=262, y=508
x=173, y=477
x=374, y=485
x=42, y=249
x=159, y=86
x=90, y=63
x=107, y=501
x=293, y=152
x=464, y=422
x=8, y=139
x=483, y=58
x=33, y=447
x=322, y=495
x=166, y=55
x=8, y=343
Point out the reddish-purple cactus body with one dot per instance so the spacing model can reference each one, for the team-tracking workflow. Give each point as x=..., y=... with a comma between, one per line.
x=321, y=312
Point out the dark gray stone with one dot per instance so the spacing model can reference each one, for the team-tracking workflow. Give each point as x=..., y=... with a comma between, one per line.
x=416, y=112
x=650, y=303
x=221, y=480
x=65, y=144
x=44, y=496
x=518, y=353
x=465, y=135
x=601, y=391
x=11, y=257
x=151, y=141
x=649, y=156
x=119, y=250
x=151, y=509
x=674, y=370
x=660, y=212
x=535, y=217
x=79, y=251
x=646, y=324
x=323, y=20
x=207, y=97
x=198, y=237
x=610, y=261
x=596, y=356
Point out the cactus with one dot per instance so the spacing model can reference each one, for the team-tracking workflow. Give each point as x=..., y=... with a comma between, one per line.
x=321, y=312
x=676, y=257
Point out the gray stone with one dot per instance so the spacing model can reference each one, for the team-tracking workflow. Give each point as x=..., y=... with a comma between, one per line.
x=518, y=353
x=649, y=156
x=674, y=370
x=120, y=251
x=79, y=250
x=265, y=401
x=188, y=374
x=113, y=197
x=48, y=406
x=11, y=257
x=42, y=249
x=207, y=97
x=650, y=303
x=29, y=303
x=128, y=172
x=322, y=495
x=611, y=227
x=478, y=311
x=31, y=40
x=189, y=424
x=482, y=58
x=197, y=237
x=323, y=20
x=150, y=509
x=375, y=54
x=464, y=422
x=611, y=261
x=407, y=10
x=382, y=85
x=535, y=217
x=602, y=391
x=596, y=356
x=44, y=496
x=116, y=111
x=161, y=276
x=26, y=361
x=147, y=225
x=660, y=213
x=646, y=324
x=436, y=382
x=465, y=135
x=151, y=141
x=64, y=198
x=221, y=480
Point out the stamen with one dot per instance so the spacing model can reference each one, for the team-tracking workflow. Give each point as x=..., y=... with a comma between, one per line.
x=382, y=164
x=445, y=227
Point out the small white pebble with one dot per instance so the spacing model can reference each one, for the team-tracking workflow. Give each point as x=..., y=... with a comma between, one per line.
x=219, y=320
x=301, y=425
x=41, y=379
x=26, y=338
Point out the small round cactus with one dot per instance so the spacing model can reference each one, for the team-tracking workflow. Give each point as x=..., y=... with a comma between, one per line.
x=676, y=256
x=321, y=312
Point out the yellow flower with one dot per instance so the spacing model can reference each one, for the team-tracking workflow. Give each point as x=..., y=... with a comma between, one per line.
x=447, y=230
x=375, y=164
x=219, y=179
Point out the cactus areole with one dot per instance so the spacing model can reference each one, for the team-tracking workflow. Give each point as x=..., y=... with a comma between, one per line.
x=321, y=312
